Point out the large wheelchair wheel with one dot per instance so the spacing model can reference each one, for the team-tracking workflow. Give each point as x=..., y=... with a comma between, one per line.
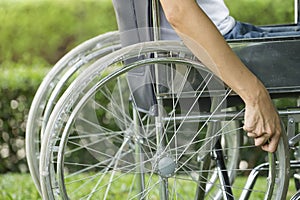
x=53, y=86
x=100, y=142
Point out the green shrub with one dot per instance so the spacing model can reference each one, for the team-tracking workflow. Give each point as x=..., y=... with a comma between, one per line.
x=262, y=12
x=17, y=88
x=34, y=35
x=32, y=31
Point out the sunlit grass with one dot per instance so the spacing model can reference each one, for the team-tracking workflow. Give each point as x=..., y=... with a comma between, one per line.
x=21, y=187
x=17, y=187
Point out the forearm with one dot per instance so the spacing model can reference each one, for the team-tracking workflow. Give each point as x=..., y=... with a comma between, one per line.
x=205, y=41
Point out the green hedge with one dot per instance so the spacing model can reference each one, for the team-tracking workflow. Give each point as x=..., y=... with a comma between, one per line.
x=35, y=34
x=18, y=85
x=45, y=30
x=262, y=12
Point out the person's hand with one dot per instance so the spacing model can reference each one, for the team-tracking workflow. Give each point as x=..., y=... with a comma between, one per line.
x=262, y=123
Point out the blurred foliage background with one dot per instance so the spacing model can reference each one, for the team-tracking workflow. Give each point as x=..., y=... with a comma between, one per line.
x=262, y=12
x=35, y=31
x=35, y=34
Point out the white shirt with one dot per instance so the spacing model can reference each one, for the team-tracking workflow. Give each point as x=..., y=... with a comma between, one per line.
x=216, y=10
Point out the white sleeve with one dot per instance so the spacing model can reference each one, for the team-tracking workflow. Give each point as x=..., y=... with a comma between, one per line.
x=218, y=12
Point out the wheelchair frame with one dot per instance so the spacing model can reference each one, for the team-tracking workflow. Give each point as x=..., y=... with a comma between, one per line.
x=95, y=52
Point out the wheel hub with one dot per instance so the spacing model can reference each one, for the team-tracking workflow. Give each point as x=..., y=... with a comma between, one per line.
x=166, y=167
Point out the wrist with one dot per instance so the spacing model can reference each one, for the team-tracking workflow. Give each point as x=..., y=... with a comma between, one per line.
x=254, y=94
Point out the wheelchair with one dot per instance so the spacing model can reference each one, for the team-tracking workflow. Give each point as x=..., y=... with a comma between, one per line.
x=147, y=120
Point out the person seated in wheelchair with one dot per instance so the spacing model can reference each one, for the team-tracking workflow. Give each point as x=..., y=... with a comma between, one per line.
x=193, y=22
x=203, y=26
x=230, y=28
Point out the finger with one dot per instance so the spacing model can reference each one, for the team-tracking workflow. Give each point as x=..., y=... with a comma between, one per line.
x=248, y=128
x=260, y=141
x=252, y=134
x=255, y=133
x=271, y=145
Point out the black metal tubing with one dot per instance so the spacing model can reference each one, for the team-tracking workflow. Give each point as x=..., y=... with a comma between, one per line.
x=297, y=11
x=223, y=171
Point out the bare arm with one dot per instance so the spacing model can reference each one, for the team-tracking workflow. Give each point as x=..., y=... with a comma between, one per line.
x=202, y=37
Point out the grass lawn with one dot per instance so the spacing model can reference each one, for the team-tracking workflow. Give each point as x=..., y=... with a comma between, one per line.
x=21, y=187
x=17, y=187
